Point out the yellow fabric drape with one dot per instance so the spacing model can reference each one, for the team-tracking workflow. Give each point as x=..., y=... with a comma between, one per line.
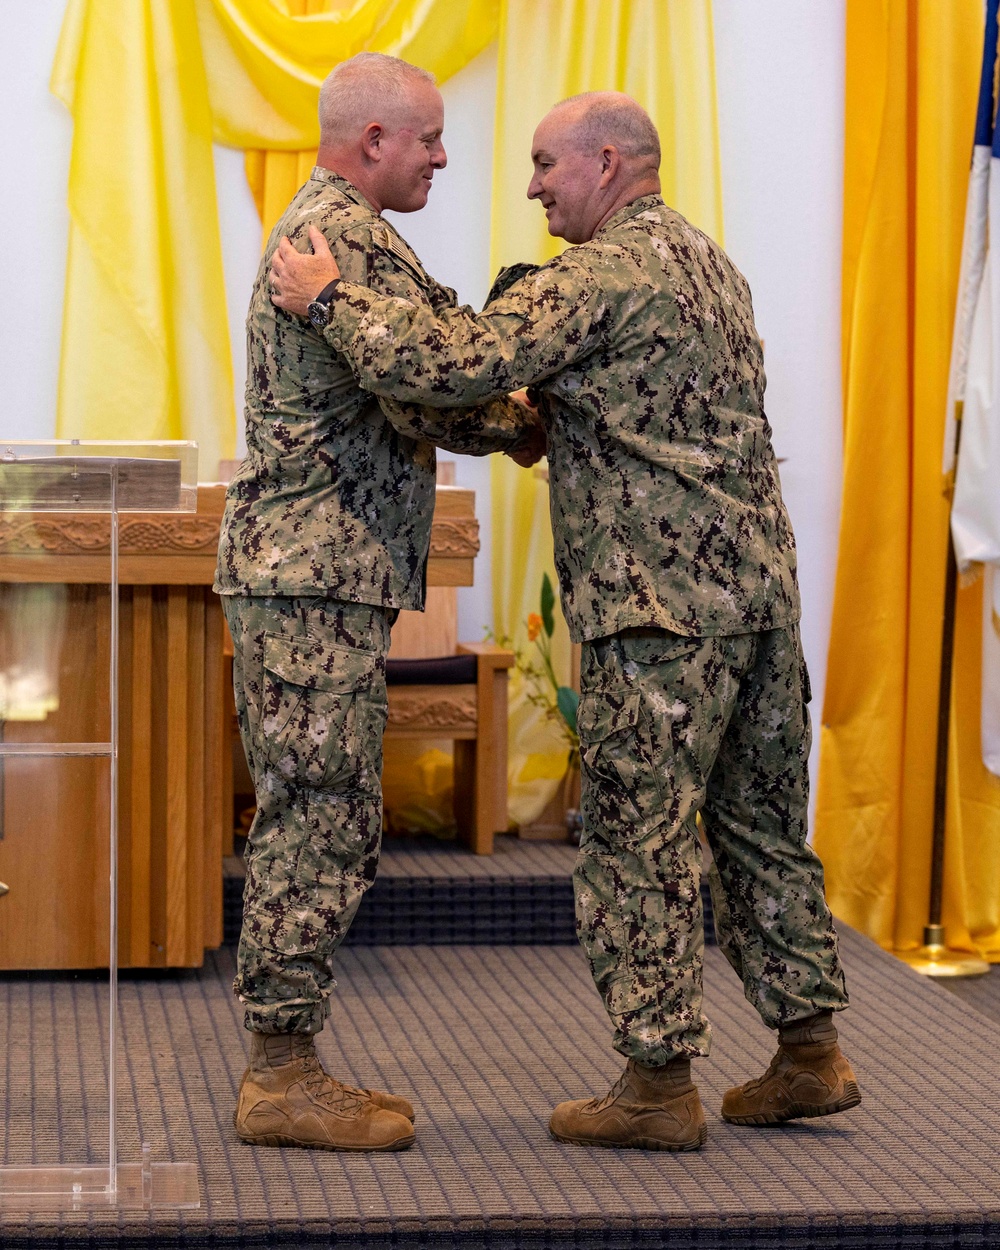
x=149, y=84
x=265, y=65
x=260, y=59
x=145, y=350
x=661, y=52
x=912, y=79
x=275, y=176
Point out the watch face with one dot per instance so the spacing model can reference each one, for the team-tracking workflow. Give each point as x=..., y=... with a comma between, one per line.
x=319, y=314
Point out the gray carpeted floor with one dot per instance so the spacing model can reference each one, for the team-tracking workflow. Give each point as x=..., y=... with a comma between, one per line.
x=980, y=993
x=485, y=1040
x=512, y=857
x=422, y=858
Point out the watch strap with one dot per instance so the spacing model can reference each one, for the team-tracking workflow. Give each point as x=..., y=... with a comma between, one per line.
x=326, y=294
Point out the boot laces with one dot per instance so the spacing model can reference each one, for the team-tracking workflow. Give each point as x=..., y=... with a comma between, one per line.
x=751, y=1087
x=598, y=1104
x=328, y=1090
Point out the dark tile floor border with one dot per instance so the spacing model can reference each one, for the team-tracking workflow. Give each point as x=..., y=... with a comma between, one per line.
x=430, y=892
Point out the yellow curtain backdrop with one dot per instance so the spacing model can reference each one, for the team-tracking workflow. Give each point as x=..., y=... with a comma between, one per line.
x=275, y=176
x=266, y=55
x=150, y=83
x=661, y=52
x=912, y=78
x=145, y=350
x=265, y=60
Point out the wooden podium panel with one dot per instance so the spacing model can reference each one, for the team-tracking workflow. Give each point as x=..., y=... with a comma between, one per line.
x=175, y=793
x=54, y=814
x=54, y=854
x=173, y=813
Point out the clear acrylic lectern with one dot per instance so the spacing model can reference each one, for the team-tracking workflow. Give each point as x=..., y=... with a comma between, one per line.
x=59, y=761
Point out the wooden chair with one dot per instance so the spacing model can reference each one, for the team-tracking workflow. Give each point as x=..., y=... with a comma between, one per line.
x=462, y=697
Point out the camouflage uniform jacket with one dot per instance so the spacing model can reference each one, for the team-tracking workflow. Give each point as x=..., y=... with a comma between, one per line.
x=641, y=346
x=336, y=494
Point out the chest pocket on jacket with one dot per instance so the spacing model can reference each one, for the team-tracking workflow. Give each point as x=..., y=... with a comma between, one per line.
x=314, y=714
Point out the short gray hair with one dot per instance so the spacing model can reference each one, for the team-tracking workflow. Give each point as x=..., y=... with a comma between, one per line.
x=369, y=87
x=614, y=117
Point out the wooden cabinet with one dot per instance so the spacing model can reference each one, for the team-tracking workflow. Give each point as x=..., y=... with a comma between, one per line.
x=175, y=793
x=54, y=855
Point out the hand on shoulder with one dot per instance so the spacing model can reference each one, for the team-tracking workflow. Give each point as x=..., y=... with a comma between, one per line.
x=296, y=278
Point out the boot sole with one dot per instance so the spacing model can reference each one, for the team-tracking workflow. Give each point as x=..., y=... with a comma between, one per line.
x=278, y=1139
x=638, y=1143
x=801, y=1110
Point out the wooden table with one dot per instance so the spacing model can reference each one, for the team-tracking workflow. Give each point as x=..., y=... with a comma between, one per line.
x=175, y=771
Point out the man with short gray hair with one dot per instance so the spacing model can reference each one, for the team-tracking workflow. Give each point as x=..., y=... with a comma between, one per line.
x=677, y=573
x=596, y=115
x=325, y=537
x=370, y=84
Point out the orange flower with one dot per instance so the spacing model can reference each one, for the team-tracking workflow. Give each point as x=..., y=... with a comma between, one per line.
x=534, y=626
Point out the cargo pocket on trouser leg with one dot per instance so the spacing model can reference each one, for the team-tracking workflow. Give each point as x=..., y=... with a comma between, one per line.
x=620, y=792
x=322, y=716
x=314, y=711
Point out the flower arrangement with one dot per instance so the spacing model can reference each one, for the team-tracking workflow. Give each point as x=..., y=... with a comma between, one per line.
x=559, y=702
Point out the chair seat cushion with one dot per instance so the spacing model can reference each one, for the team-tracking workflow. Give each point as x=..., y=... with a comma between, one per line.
x=446, y=670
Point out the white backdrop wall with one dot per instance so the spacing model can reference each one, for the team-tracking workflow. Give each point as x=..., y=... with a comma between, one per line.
x=780, y=71
x=34, y=157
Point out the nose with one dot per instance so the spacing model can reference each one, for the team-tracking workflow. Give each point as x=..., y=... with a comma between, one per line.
x=534, y=187
x=439, y=157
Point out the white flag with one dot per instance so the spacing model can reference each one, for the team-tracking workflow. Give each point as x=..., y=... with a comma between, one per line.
x=974, y=380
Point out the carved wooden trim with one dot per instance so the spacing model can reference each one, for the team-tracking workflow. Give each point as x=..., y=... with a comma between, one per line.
x=185, y=534
x=71, y=534
x=432, y=707
x=455, y=537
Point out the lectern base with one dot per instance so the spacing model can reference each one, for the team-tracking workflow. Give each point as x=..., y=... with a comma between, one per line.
x=138, y=1186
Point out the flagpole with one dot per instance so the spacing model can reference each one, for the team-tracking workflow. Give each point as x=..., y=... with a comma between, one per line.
x=934, y=959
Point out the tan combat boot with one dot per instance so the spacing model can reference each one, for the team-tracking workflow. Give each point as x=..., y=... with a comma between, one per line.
x=286, y=1099
x=807, y=1077
x=646, y=1108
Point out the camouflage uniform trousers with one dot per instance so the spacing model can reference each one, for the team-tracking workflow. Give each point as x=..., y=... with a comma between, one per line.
x=670, y=727
x=309, y=678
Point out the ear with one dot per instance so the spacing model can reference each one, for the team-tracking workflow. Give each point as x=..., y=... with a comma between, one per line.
x=371, y=141
x=611, y=161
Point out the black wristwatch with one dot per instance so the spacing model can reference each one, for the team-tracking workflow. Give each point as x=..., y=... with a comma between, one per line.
x=318, y=309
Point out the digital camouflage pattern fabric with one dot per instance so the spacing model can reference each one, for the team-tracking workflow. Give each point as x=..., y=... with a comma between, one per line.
x=677, y=571
x=309, y=675
x=336, y=493
x=642, y=352
x=670, y=726
x=326, y=532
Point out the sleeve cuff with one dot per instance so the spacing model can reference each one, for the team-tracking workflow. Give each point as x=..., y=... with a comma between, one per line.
x=349, y=305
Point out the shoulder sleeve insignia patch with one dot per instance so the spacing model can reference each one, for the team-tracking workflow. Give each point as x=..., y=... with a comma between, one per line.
x=396, y=248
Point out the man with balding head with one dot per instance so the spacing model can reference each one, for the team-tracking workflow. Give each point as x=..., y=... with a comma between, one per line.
x=325, y=537
x=677, y=573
